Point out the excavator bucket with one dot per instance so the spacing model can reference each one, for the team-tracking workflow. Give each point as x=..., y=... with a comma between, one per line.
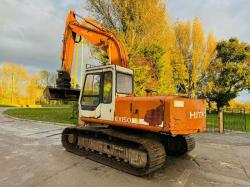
x=64, y=94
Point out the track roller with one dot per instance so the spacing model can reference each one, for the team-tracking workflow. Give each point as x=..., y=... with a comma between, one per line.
x=132, y=153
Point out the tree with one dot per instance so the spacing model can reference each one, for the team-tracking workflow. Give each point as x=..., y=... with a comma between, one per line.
x=227, y=81
x=237, y=104
x=46, y=78
x=192, y=54
x=228, y=75
x=14, y=79
x=43, y=78
x=37, y=83
x=35, y=89
x=141, y=26
x=233, y=51
x=19, y=87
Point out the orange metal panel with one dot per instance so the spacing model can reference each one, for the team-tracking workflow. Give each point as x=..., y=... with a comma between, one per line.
x=148, y=111
x=189, y=118
x=169, y=114
x=174, y=114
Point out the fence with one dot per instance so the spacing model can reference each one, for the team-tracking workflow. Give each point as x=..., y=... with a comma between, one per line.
x=212, y=122
x=236, y=119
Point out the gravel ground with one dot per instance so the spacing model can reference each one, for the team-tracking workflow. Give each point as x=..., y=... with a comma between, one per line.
x=31, y=155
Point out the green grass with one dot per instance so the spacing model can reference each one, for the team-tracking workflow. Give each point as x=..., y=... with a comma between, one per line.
x=6, y=105
x=64, y=115
x=58, y=115
x=248, y=122
x=231, y=121
x=63, y=106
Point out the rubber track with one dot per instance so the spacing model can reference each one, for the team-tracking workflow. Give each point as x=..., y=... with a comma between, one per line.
x=155, y=150
x=190, y=142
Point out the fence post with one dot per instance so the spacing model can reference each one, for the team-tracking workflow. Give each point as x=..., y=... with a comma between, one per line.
x=220, y=121
x=245, y=119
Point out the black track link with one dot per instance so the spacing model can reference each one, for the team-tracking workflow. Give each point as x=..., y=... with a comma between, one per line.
x=190, y=142
x=155, y=150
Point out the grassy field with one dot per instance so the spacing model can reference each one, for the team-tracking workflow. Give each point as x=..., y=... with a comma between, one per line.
x=58, y=115
x=64, y=115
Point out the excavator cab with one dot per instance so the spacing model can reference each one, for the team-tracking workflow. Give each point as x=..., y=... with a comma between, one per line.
x=101, y=85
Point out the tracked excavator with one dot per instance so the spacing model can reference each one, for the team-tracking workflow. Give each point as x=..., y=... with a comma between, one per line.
x=129, y=133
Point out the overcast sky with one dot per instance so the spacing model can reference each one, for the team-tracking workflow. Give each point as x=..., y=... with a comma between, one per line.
x=224, y=18
x=31, y=30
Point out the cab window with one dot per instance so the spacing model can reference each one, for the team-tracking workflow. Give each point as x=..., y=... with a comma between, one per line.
x=91, y=90
x=107, y=87
x=124, y=83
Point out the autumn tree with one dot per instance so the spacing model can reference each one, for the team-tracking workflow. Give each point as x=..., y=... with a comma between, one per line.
x=19, y=87
x=237, y=104
x=35, y=89
x=229, y=74
x=14, y=78
x=46, y=78
x=191, y=55
x=142, y=26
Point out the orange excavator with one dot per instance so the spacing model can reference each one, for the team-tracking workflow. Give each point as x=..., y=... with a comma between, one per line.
x=118, y=129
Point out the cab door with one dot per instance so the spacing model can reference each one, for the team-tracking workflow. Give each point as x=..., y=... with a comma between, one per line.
x=97, y=96
x=107, y=100
x=90, y=99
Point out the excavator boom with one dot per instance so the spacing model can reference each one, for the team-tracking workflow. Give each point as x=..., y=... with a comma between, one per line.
x=97, y=35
